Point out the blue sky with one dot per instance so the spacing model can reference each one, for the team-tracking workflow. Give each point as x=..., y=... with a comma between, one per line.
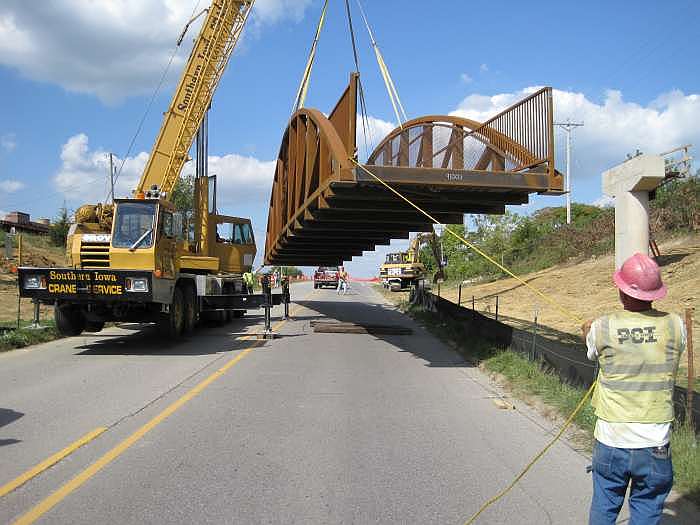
x=76, y=76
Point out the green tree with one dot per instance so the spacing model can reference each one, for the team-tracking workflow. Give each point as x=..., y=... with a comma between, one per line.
x=183, y=199
x=58, y=231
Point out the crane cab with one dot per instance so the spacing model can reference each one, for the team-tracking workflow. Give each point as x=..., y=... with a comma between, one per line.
x=145, y=233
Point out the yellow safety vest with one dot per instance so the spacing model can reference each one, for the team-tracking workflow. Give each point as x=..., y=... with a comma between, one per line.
x=248, y=278
x=638, y=354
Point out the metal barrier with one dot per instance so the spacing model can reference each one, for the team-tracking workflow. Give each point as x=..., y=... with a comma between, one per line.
x=568, y=361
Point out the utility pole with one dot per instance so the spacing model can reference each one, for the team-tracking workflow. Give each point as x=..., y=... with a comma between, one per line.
x=568, y=126
x=111, y=176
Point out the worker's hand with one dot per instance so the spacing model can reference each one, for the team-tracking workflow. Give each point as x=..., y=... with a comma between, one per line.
x=586, y=327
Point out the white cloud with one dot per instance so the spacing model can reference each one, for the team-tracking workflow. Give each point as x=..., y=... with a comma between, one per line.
x=483, y=68
x=273, y=11
x=110, y=49
x=240, y=179
x=612, y=128
x=604, y=201
x=8, y=142
x=465, y=78
x=84, y=174
x=10, y=186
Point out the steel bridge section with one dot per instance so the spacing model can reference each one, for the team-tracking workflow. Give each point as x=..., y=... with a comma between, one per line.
x=324, y=209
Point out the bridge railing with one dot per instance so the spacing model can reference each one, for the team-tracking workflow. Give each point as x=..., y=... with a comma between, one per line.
x=529, y=123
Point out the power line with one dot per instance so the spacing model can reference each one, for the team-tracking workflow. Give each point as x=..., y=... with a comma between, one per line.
x=567, y=127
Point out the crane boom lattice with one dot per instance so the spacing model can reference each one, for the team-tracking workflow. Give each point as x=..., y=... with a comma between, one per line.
x=218, y=37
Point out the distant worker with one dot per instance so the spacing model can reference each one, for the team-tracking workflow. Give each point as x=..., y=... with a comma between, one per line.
x=638, y=350
x=342, y=281
x=249, y=280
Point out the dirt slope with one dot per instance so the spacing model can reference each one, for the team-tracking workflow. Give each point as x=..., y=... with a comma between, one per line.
x=35, y=252
x=586, y=289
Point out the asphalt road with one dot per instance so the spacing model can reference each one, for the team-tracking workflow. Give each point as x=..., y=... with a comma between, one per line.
x=307, y=428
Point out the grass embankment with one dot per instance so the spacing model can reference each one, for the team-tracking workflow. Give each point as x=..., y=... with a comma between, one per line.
x=26, y=336
x=530, y=382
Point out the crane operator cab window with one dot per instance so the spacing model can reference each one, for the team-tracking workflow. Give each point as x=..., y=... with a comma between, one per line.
x=394, y=258
x=246, y=233
x=232, y=233
x=223, y=232
x=134, y=223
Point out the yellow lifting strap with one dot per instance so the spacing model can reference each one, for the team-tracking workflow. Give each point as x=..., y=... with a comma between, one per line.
x=306, y=77
x=388, y=82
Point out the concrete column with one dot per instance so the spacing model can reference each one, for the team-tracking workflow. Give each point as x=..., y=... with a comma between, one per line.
x=630, y=183
x=631, y=225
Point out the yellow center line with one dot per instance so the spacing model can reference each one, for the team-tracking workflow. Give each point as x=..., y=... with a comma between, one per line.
x=49, y=462
x=56, y=497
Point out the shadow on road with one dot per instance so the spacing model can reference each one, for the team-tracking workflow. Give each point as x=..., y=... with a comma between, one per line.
x=7, y=416
x=422, y=347
x=147, y=340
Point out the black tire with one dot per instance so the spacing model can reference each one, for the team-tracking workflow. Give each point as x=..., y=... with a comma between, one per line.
x=94, y=326
x=69, y=320
x=190, y=311
x=171, y=324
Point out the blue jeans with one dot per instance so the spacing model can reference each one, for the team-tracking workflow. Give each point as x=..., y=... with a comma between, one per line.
x=650, y=472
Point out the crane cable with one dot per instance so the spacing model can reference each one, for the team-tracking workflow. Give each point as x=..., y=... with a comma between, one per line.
x=157, y=89
x=384, y=70
x=361, y=92
x=568, y=313
x=306, y=77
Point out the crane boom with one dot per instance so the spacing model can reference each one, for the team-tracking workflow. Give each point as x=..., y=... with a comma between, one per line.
x=212, y=49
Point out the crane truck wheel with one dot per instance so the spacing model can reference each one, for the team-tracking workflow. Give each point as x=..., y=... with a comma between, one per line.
x=69, y=320
x=172, y=323
x=190, y=311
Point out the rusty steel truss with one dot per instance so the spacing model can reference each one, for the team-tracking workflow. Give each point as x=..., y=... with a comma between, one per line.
x=324, y=209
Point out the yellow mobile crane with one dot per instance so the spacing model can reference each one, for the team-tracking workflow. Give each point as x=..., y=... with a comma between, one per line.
x=133, y=261
x=404, y=269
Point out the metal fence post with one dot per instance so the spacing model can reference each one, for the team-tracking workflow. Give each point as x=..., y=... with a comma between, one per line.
x=285, y=296
x=35, y=322
x=267, y=291
x=473, y=308
x=691, y=364
x=459, y=295
x=534, y=339
x=496, y=308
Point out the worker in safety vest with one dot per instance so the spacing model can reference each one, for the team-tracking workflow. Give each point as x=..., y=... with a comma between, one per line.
x=249, y=281
x=638, y=350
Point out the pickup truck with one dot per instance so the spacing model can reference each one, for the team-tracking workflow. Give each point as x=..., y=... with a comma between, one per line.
x=326, y=276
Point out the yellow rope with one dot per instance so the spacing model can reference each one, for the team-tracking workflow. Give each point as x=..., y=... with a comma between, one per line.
x=541, y=294
x=536, y=458
x=384, y=70
x=534, y=289
x=306, y=77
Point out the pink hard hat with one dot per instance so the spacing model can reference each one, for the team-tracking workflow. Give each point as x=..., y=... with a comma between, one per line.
x=640, y=277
